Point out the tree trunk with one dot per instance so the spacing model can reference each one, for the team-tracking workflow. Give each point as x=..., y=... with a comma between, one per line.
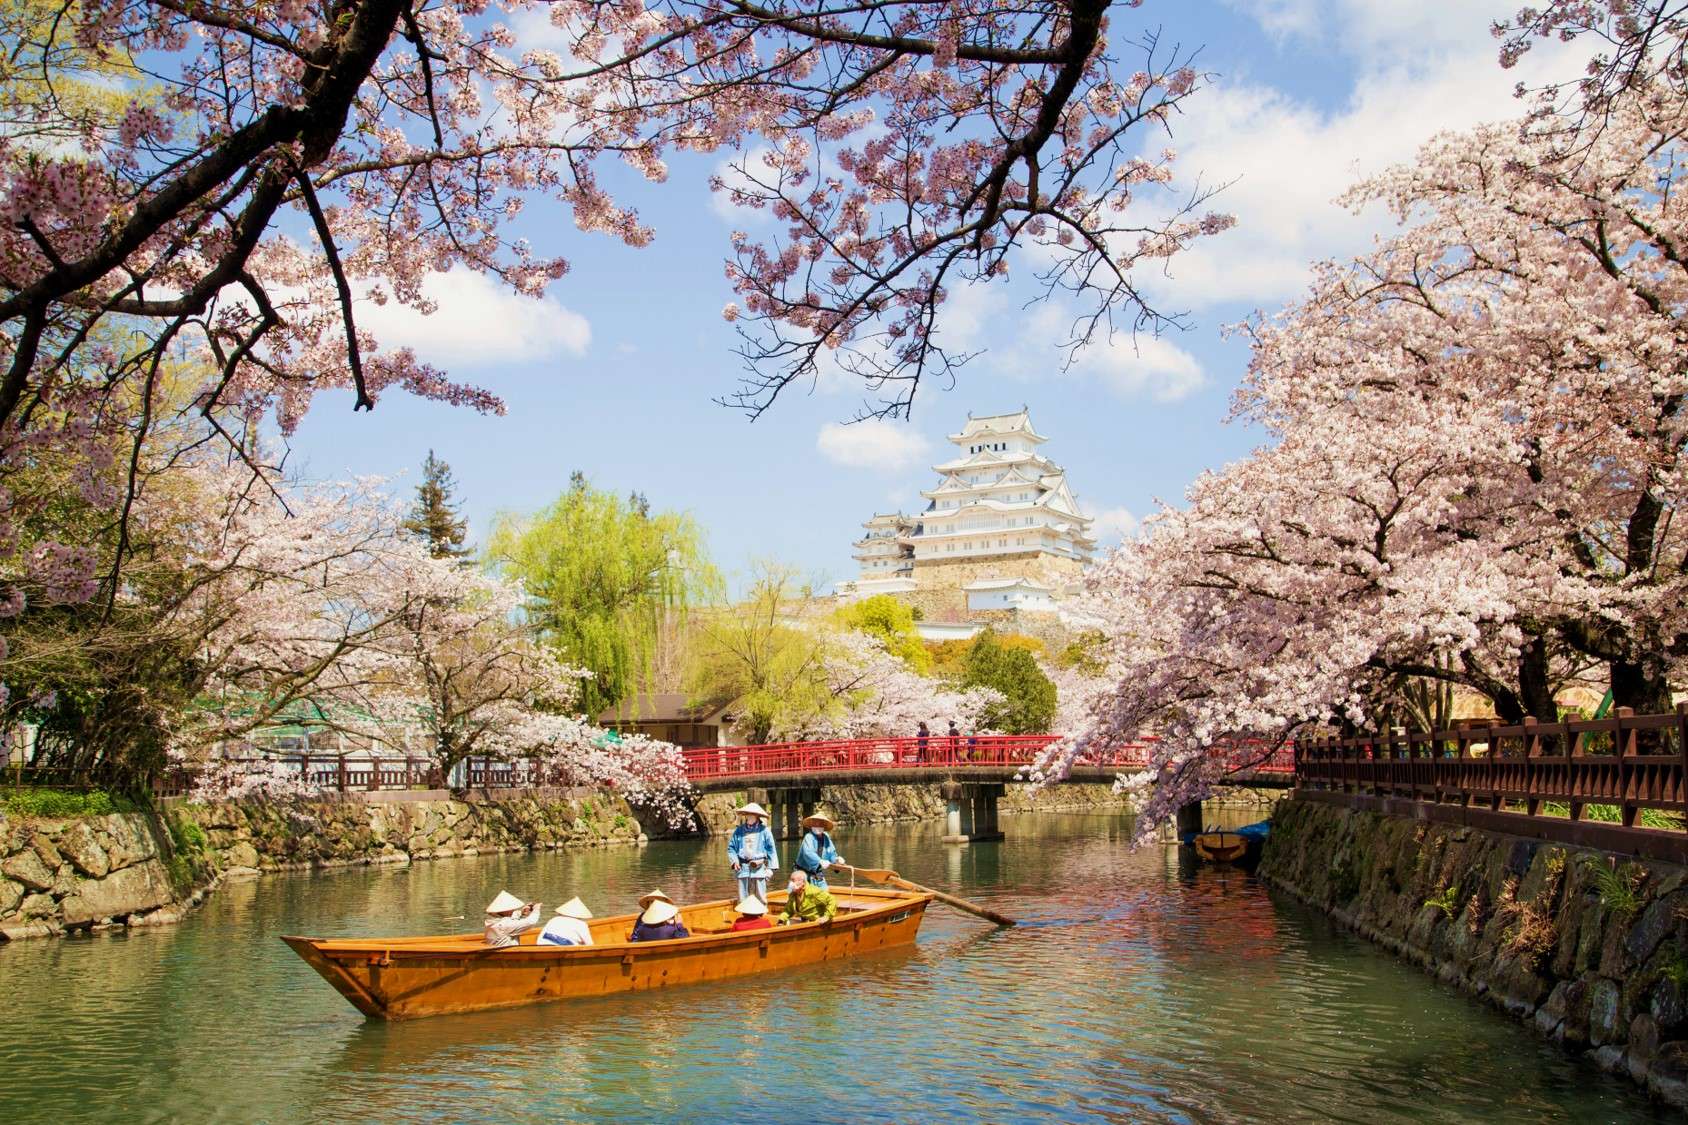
x=1535, y=690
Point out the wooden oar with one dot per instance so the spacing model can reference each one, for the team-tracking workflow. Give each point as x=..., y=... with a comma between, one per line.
x=882, y=875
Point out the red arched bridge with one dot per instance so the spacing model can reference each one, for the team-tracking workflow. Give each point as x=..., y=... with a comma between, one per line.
x=940, y=757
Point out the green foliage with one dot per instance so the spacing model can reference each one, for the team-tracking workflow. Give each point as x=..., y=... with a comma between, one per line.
x=1618, y=887
x=603, y=574
x=1447, y=901
x=187, y=860
x=434, y=516
x=888, y=619
x=949, y=658
x=752, y=656
x=59, y=803
x=1675, y=969
x=1084, y=653
x=1030, y=704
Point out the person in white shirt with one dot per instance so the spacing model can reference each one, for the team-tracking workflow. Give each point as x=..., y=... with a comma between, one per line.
x=568, y=925
x=508, y=916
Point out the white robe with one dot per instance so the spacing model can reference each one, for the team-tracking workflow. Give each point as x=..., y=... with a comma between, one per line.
x=573, y=931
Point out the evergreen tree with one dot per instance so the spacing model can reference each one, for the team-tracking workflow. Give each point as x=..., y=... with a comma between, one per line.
x=1030, y=704
x=434, y=514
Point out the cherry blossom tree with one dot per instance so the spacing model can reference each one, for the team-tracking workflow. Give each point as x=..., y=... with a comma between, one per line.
x=276, y=163
x=1476, y=454
x=879, y=696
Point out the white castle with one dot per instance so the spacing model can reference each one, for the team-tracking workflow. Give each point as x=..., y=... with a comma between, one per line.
x=1001, y=529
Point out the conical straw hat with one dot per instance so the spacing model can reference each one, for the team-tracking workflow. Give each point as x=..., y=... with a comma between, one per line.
x=752, y=905
x=658, y=912
x=819, y=817
x=574, y=908
x=654, y=896
x=504, y=903
x=753, y=809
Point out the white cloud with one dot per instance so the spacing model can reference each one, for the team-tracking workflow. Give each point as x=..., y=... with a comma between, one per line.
x=1115, y=524
x=479, y=322
x=1027, y=344
x=1419, y=69
x=873, y=444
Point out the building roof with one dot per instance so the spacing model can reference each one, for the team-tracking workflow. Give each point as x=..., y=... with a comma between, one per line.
x=659, y=707
x=1018, y=423
x=984, y=584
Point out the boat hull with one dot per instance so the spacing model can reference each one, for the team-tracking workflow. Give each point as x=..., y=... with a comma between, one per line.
x=409, y=978
x=1221, y=847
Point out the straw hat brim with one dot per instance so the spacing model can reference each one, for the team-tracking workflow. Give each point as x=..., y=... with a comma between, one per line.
x=658, y=912
x=821, y=819
x=753, y=809
x=752, y=905
x=654, y=896
x=574, y=908
x=504, y=903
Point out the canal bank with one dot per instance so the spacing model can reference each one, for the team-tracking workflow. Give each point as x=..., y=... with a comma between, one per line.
x=1136, y=988
x=1586, y=948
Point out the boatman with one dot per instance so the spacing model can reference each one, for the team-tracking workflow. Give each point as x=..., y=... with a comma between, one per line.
x=506, y=917
x=568, y=925
x=817, y=853
x=805, y=902
x=751, y=851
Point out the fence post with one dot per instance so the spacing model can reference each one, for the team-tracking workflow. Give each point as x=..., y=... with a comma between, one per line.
x=1680, y=789
x=1532, y=750
x=1620, y=743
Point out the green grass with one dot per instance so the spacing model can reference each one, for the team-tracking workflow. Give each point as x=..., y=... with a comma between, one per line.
x=1608, y=814
x=58, y=803
x=1617, y=887
x=1447, y=902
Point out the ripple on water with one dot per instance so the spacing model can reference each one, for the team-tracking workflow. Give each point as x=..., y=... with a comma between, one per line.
x=1134, y=990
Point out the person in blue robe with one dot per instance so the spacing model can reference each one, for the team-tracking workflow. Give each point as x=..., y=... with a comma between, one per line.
x=817, y=852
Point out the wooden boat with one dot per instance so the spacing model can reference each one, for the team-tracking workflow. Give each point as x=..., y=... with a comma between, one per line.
x=1221, y=847
x=408, y=977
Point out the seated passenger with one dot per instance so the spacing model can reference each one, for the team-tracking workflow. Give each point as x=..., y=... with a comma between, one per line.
x=506, y=917
x=805, y=902
x=568, y=927
x=752, y=915
x=659, y=922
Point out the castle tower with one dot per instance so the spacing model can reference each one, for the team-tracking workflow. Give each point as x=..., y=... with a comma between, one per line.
x=1001, y=529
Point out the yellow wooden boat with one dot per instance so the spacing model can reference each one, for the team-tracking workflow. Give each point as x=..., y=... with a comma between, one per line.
x=1221, y=847
x=408, y=977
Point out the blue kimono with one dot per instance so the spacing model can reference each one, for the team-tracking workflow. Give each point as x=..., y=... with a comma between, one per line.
x=815, y=853
x=754, y=858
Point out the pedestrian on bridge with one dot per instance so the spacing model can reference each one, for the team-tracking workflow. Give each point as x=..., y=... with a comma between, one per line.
x=751, y=851
x=817, y=852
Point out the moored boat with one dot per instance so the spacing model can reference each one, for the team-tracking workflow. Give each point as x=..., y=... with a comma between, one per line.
x=1221, y=847
x=410, y=977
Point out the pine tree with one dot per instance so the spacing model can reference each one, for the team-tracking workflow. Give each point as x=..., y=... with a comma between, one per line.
x=434, y=514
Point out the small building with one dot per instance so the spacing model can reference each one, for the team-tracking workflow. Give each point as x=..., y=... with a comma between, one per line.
x=666, y=715
x=1009, y=593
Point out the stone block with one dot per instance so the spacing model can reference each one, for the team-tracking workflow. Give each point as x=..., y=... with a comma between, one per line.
x=1643, y=1037
x=1605, y=1019
x=79, y=845
x=1650, y=929
x=44, y=848
x=241, y=855
x=145, y=886
x=27, y=868
x=10, y=895
x=37, y=906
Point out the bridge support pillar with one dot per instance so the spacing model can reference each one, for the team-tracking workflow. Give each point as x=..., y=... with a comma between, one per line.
x=788, y=807
x=1189, y=819
x=970, y=814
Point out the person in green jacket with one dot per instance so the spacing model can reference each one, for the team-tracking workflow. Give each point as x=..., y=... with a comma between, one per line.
x=805, y=903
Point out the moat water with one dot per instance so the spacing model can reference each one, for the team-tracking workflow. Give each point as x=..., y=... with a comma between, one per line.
x=1139, y=988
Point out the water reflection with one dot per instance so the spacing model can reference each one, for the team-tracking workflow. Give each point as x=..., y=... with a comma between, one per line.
x=1136, y=989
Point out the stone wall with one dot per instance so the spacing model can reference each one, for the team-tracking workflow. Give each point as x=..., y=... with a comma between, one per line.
x=885, y=804
x=88, y=873
x=148, y=868
x=1590, y=949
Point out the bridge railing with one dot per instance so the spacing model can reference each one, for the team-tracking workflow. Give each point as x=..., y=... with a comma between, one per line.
x=995, y=750
x=1592, y=781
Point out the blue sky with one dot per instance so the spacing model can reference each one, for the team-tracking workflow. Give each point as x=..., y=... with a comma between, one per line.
x=614, y=371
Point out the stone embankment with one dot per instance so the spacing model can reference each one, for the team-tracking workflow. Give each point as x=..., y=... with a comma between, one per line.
x=144, y=868
x=1592, y=950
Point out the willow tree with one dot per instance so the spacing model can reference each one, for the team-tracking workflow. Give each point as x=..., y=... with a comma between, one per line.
x=604, y=575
